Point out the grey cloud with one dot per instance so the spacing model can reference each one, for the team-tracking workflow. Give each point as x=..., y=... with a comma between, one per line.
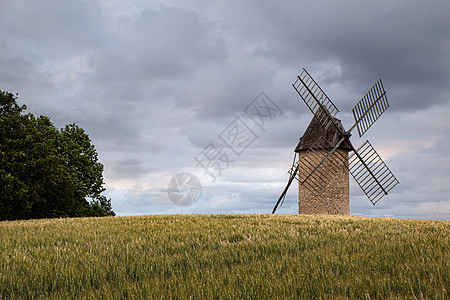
x=160, y=44
x=130, y=168
x=57, y=28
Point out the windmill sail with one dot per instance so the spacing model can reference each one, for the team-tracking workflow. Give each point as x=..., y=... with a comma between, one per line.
x=370, y=108
x=315, y=98
x=371, y=173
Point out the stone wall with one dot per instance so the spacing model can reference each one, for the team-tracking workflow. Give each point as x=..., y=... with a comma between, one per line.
x=333, y=199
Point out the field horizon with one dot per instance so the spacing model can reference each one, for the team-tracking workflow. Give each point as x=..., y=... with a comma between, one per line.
x=225, y=257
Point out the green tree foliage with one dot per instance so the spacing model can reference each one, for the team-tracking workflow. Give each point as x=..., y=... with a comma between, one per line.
x=46, y=172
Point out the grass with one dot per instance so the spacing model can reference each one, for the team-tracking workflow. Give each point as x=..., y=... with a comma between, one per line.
x=225, y=257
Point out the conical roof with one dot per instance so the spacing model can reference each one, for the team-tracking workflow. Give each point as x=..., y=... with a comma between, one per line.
x=315, y=130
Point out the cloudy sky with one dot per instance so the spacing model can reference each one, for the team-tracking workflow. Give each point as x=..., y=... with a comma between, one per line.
x=161, y=86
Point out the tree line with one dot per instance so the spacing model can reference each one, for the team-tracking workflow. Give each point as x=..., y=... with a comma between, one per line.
x=46, y=172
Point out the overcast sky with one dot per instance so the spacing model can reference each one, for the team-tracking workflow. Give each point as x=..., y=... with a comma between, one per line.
x=158, y=85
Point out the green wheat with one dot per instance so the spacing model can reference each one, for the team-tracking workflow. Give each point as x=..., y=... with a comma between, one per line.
x=224, y=257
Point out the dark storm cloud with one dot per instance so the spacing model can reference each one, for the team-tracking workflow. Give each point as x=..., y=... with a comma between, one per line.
x=404, y=44
x=163, y=44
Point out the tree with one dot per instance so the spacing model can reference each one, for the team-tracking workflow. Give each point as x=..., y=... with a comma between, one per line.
x=87, y=172
x=46, y=172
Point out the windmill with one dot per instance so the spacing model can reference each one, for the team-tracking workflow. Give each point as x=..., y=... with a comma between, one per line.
x=323, y=151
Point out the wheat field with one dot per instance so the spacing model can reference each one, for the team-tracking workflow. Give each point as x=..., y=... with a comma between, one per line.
x=225, y=257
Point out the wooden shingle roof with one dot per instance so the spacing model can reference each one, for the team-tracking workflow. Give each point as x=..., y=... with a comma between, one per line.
x=330, y=136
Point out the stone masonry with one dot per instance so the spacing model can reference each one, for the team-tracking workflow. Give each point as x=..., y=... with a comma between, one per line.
x=333, y=198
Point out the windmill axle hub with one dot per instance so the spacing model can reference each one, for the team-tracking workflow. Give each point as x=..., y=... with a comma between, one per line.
x=346, y=134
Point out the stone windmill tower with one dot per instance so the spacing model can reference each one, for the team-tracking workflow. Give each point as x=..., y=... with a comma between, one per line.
x=334, y=197
x=323, y=164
